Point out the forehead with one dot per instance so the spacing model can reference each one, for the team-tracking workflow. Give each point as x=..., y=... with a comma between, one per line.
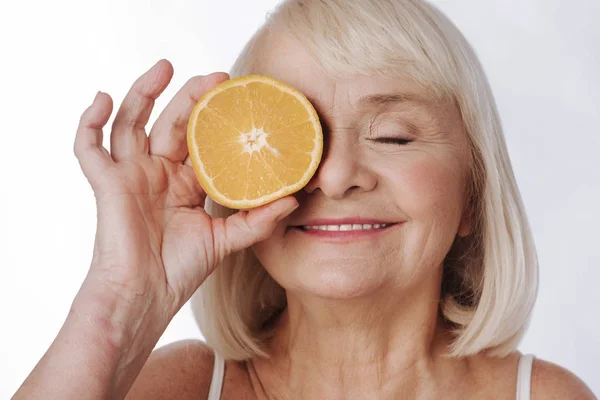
x=285, y=59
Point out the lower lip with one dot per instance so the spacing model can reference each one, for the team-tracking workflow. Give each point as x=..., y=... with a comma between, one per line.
x=345, y=235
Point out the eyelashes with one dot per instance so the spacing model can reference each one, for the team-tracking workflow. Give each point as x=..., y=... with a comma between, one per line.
x=375, y=127
x=392, y=140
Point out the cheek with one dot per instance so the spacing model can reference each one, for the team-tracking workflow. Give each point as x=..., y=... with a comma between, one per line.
x=426, y=187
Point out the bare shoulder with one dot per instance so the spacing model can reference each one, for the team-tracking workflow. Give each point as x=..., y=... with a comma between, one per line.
x=179, y=370
x=552, y=382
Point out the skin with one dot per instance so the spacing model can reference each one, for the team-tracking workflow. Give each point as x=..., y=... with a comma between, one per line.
x=362, y=312
x=362, y=319
x=362, y=316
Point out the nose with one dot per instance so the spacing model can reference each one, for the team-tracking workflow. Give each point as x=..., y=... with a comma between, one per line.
x=342, y=170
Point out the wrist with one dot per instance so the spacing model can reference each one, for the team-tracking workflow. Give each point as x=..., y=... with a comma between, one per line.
x=121, y=319
x=121, y=330
x=99, y=351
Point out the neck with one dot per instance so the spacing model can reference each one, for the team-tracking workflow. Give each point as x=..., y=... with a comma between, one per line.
x=385, y=345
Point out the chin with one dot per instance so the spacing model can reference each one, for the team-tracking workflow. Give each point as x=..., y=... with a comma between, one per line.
x=333, y=279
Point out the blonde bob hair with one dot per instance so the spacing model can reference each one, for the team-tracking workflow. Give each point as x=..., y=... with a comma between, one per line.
x=490, y=277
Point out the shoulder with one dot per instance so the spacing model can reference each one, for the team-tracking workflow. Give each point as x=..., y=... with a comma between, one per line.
x=179, y=370
x=552, y=382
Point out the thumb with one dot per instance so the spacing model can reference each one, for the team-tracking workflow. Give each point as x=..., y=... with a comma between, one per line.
x=245, y=228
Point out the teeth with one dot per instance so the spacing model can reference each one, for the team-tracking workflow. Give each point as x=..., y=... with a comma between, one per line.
x=345, y=227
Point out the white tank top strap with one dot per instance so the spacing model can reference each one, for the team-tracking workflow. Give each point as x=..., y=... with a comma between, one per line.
x=216, y=383
x=524, y=377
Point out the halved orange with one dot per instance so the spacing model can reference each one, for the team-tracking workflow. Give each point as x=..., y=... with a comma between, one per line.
x=252, y=140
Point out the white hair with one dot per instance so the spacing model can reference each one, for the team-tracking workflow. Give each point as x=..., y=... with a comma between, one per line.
x=490, y=278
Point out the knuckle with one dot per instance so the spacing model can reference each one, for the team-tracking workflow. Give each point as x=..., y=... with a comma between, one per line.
x=78, y=145
x=148, y=85
x=143, y=87
x=197, y=86
x=128, y=120
x=84, y=118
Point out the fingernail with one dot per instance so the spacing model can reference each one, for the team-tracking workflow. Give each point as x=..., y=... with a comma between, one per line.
x=97, y=95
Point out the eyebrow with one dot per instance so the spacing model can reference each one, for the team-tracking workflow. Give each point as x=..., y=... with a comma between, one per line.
x=389, y=99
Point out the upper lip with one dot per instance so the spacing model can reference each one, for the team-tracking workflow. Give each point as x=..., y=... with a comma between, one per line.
x=344, y=221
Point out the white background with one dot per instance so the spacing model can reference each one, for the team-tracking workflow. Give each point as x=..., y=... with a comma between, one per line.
x=542, y=57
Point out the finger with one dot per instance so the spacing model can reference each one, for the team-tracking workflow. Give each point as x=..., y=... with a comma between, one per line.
x=245, y=228
x=128, y=137
x=93, y=157
x=168, y=135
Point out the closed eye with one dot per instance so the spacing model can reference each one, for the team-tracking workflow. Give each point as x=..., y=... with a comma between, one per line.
x=391, y=140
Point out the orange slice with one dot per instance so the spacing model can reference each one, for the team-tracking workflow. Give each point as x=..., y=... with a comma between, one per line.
x=252, y=140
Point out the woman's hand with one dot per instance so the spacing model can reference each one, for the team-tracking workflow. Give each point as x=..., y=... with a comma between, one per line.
x=153, y=236
x=154, y=245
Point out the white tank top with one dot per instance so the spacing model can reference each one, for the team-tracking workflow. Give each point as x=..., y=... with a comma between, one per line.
x=523, y=378
x=216, y=383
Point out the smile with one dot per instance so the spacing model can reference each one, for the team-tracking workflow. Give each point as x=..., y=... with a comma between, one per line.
x=344, y=227
x=348, y=231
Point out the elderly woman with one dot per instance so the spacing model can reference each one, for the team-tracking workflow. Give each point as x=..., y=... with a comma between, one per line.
x=418, y=283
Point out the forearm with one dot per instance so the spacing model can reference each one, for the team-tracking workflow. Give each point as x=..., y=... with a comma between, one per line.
x=99, y=351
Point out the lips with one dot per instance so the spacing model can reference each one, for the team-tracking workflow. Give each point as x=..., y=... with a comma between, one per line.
x=344, y=229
